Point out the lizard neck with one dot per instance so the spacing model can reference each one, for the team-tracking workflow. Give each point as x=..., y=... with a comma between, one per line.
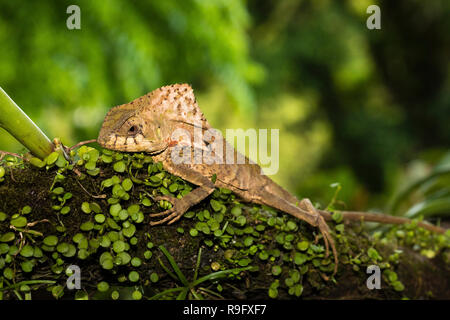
x=186, y=134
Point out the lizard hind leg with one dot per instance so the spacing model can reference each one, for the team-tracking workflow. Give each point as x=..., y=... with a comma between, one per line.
x=306, y=205
x=305, y=211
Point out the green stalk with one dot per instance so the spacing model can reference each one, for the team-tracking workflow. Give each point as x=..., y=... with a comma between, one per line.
x=21, y=127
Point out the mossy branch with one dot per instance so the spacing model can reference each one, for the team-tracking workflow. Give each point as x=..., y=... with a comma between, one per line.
x=21, y=127
x=221, y=248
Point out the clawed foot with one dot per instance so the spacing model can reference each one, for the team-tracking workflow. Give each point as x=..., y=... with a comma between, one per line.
x=176, y=212
x=329, y=241
x=320, y=223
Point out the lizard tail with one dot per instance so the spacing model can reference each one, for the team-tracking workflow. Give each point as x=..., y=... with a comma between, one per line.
x=382, y=218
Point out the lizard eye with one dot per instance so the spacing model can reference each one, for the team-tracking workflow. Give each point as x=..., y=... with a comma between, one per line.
x=132, y=129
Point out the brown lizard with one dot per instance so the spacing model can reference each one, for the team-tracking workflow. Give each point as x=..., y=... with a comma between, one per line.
x=149, y=123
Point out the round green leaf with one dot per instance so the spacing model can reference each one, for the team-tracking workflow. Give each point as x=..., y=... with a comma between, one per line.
x=19, y=222
x=65, y=210
x=248, y=241
x=38, y=253
x=106, y=261
x=8, y=273
x=90, y=165
x=123, y=214
x=273, y=293
x=137, y=295
x=95, y=207
x=127, y=184
x=58, y=190
x=118, y=246
x=129, y=232
x=133, y=276
x=148, y=254
x=291, y=225
x=276, y=270
x=71, y=251
x=300, y=258
x=244, y=262
x=107, y=264
x=105, y=242
x=85, y=207
x=133, y=209
x=62, y=247
x=236, y=211
x=106, y=158
x=115, y=209
x=27, y=251
x=303, y=245
x=3, y=216
x=87, y=226
x=37, y=162
x=61, y=162
x=100, y=218
x=52, y=157
x=83, y=254
x=50, y=241
x=119, y=166
x=27, y=266
x=103, y=286
x=78, y=237
x=136, y=262
x=154, y=277
x=123, y=258
x=4, y=248
x=216, y=205
x=26, y=210
x=115, y=295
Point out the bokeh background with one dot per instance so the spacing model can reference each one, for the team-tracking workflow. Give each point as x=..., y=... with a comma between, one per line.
x=369, y=109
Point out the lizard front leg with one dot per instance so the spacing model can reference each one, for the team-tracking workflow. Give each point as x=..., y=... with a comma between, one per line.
x=180, y=206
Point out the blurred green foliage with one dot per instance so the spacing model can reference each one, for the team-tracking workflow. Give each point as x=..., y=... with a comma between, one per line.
x=357, y=106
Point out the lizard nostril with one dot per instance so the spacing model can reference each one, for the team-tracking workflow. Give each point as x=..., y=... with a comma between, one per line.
x=132, y=129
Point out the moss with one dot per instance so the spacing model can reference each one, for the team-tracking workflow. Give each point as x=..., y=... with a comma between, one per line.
x=92, y=211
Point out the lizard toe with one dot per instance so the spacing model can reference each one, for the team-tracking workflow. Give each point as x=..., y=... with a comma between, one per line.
x=329, y=241
x=164, y=213
x=179, y=207
x=174, y=216
x=171, y=199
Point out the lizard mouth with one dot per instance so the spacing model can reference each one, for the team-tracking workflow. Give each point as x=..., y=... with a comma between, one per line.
x=132, y=143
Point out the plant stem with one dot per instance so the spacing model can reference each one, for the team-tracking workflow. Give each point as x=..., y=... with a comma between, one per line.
x=27, y=282
x=21, y=127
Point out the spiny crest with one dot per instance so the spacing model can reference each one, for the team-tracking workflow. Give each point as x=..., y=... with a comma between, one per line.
x=177, y=102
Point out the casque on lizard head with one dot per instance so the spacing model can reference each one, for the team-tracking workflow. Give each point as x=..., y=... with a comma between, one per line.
x=147, y=125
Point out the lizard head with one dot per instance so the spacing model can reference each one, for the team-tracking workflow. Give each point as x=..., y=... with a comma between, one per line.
x=146, y=123
x=131, y=130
